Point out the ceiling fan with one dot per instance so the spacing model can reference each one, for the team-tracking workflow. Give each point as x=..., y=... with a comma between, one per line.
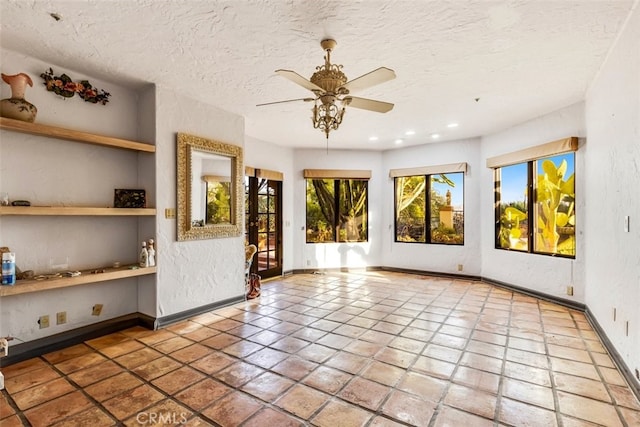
x=331, y=91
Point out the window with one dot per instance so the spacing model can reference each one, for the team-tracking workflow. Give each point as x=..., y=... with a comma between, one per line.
x=218, y=202
x=337, y=210
x=546, y=225
x=444, y=207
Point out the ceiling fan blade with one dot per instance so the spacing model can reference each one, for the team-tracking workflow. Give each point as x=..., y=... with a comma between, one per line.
x=369, y=104
x=299, y=80
x=377, y=76
x=288, y=100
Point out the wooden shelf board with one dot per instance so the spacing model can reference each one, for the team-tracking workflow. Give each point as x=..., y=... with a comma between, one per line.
x=73, y=135
x=29, y=286
x=74, y=211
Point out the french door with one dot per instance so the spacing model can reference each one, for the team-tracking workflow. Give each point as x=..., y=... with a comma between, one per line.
x=263, y=224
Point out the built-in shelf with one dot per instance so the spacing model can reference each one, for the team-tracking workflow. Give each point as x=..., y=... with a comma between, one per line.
x=74, y=211
x=73, y=135
x=87, y=276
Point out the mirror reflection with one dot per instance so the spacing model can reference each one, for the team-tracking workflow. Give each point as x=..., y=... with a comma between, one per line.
x=209, y=188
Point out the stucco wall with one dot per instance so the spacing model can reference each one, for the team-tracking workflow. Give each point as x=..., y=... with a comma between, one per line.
x=265, y=155
x=612, y=258
x=336, y=255
x=48, y=171
x=194, y=273
x=432, y=257
x=541, y=273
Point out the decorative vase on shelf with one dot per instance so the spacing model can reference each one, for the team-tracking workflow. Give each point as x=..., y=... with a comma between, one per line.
x=17, y=107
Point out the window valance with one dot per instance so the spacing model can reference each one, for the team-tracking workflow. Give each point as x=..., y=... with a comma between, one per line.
x=429, y=170
x=336, y=174
x=532, y=153
x=216, y=178
x=263, y=173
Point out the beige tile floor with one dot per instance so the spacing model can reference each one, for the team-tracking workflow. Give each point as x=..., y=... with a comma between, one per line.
x=372, y=349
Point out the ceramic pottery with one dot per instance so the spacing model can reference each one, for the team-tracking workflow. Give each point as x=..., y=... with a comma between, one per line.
x=17, y=107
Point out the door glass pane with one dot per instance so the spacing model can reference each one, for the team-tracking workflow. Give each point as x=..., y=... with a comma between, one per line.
x=263, y=222
x=263, y=203
x=262, y=241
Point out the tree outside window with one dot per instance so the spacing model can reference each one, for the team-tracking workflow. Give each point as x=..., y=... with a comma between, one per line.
x=218, y=201
x=337, y=210
x=444, y=208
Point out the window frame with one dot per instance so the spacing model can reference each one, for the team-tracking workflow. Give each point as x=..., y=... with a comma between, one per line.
x=570, y=146
x=336, y=225
x=427, y=208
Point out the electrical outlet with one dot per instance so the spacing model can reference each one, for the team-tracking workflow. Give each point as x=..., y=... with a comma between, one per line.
x=459, y=267
x=43, y=321
x=570, y=290
x=97, y=310
x=61, y=318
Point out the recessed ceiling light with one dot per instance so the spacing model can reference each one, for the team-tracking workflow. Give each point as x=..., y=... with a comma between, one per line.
x=435, y=135
x=398, y=141
x=410, y=132
x=452, y=125
x=373, y=138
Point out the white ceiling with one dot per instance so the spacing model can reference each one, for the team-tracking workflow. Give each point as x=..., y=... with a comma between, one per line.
x=485, y=65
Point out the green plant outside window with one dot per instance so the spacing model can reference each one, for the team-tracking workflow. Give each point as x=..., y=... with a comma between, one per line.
x=218, y=203
x=337, y=210
x=546, y=226
x=444, y=208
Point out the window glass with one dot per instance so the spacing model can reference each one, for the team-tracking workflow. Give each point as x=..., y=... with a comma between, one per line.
x=447, y=208
x=320, y=210
x=444, y=208
x=512, y=195
x=550, y=218
x=218, y=203
x=352, y=210
x=411, y=192
x=337, y=210
x=555, y=220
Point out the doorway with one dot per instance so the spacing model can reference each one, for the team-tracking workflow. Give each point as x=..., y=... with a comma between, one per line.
x=263, y=223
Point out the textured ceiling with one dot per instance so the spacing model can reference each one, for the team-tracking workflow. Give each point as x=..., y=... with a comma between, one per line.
x=485, y=65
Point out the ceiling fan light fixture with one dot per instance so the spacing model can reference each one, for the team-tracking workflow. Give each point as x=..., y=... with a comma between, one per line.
x=327, y=116
x=331, y=90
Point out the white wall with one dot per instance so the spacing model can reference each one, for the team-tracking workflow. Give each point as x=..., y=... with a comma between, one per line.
x=195, y=273
x=53, y=172
x=265, y=155
x=336, y=255
x=612, y=261
x=540, y=273
x=428, y=257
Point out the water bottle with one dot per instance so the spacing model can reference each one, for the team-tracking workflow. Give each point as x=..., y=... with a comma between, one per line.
x=9, y=268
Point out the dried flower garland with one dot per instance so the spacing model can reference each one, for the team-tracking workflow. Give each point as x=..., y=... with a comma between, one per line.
x=66, y=87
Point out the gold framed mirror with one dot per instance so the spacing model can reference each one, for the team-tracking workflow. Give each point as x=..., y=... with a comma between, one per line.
x=209, y=188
